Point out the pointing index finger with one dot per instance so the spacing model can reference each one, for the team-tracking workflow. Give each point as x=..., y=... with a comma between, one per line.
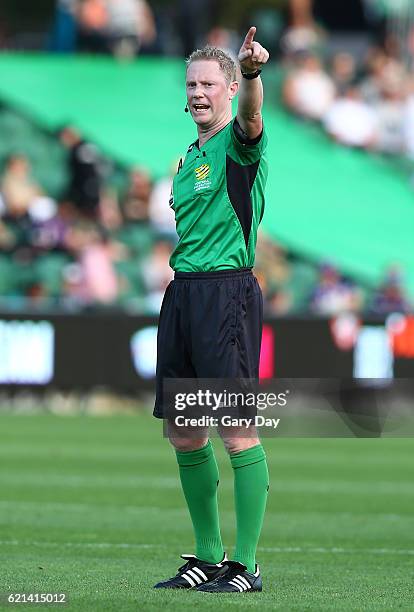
x=250, y=35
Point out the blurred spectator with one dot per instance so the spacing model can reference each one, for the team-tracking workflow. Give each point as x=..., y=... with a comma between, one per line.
x=274, y=273
x=130, y=25
x=119, y=27
x=99, y=276
x=84, y=171
x=48, y=229
x=389, y=116
x=194, y=20
x=371, y=85
x=271, y=261
x=390, y=297
x=161, y=214
x=224, y=39
x=7, y=238
x=408, y=123
x=388, y=101
x=110, y=215
x=22, y=194
x=63, y=37
x=18, y=187
x=135, y=206
x=308, y=90
x=278, y=303
x=94, y=278
x=157, y=273
x=343, y=71
x=350, y=121
x=333, y=295
x=302, y=35
x=92, y=23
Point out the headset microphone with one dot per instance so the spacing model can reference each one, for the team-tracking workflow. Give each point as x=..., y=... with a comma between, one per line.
x=186, y=110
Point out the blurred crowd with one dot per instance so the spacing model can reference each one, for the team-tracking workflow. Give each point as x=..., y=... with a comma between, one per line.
x=125, y=28
x=367, y=106
x=117, y=27
x=95, y=244
x=362, y=94
x=294, y=286
x=107, y=242
x=108, y=245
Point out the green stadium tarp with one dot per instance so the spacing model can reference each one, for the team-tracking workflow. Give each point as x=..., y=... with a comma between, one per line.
x=323, y=201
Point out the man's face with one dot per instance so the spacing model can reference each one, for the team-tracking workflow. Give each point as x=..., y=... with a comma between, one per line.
x=208, y=94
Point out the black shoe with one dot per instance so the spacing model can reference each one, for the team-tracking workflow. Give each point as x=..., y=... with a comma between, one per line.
x=235, y=580
x=193, y=573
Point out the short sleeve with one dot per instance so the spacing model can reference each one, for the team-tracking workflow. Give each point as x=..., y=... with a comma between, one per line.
x=243, y=150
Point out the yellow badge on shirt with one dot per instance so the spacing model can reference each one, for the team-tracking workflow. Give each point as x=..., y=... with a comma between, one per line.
x=202, y=180
x=202, y=172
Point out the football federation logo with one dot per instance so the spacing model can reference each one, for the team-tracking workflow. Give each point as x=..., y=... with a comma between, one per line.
x=202, y=172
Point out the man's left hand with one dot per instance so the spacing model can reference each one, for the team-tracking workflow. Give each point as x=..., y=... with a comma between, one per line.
x=252, y=56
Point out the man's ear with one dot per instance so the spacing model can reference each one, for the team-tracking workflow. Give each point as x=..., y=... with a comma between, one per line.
x=233, y=88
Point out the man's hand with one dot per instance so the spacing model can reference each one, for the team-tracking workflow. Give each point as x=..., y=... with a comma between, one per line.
x=252, y=56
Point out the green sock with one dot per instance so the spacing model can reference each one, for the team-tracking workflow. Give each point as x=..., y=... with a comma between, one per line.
x=251, y=484
x=199, y=479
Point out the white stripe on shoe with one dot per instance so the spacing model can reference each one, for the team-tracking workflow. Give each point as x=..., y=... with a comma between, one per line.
x=243, y=579
x=201, y=573
x=236, y=584
x=257, y=572
x=194, y=576
x=240, y=582
x=189, y=580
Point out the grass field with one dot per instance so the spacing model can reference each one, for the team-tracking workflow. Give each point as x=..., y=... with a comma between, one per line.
x=91, y=507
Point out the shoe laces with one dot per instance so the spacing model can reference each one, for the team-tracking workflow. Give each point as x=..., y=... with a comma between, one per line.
x=234, y=568
x=190, y=563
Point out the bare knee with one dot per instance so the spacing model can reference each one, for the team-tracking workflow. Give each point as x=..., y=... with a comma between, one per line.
x=236, y=445
x=187, y=439
x=236, y=440
x=188, y=444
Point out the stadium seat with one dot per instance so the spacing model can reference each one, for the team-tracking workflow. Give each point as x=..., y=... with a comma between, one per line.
x=48, y=270
x=137, y=237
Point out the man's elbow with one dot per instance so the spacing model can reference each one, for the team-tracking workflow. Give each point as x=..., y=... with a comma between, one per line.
x=252, y=125
x=251, y=117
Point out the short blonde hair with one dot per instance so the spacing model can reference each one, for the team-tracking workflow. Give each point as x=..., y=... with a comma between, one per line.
x=226, y=63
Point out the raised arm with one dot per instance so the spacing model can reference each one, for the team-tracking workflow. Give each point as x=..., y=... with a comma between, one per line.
x=252, y=56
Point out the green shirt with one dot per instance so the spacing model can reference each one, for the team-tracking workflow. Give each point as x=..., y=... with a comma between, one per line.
x=218, y=199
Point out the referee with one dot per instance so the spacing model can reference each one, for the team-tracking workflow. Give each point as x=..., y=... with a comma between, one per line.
x=211, y=317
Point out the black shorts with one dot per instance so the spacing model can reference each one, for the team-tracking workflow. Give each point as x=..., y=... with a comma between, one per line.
x=210, y=326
